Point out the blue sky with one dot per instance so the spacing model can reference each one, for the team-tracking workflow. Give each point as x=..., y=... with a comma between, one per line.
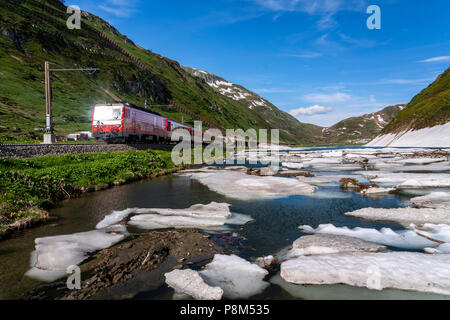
x=314, y=58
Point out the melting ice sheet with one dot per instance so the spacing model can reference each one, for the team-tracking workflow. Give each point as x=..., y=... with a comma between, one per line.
x=327, y=244
x=53, y=255
x=399, y=270
x=437, y=200
x=238, y=278
x=404, y=216
x=345, y=292
x=239, y=185
x=406, y=239
x=155, y=221
x=212, y=216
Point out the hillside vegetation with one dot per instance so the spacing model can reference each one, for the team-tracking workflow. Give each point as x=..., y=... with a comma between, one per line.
x=429, y=108
x=360, y=130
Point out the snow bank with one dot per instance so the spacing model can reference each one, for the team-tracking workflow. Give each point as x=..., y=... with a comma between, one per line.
x=405, y=216
x=242, y=186
x=53, y=255
x=406, y=239
x=436, y=200
x=189, y=282
x=400, y=270
x=327, y=244
x=238, y=278
x=436, y=137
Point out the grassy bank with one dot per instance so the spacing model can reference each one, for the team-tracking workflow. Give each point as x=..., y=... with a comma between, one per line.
x=29, y=187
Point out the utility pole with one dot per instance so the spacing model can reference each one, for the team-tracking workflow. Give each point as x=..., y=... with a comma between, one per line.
x=49, y=136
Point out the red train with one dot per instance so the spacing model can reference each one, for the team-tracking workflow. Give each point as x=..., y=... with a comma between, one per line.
x=122, y=122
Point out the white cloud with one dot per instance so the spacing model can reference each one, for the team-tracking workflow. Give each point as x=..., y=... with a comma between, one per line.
x=316, y=109
x=436, y=59
x=407, y=81
x=327, y=98
x=119, y=8
x=325, y=9
x=273, y=90
x=305, y=55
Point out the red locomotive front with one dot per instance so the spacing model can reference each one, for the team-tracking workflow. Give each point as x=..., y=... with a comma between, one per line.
x=123, y=122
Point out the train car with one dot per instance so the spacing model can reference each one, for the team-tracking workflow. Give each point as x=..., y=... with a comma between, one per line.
x=123, y=122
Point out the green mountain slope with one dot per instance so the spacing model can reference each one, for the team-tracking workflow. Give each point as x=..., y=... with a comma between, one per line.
x=429, y=108
x=32, y=32
x=360, y=130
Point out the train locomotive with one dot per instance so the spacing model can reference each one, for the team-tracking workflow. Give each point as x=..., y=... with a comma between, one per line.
x=123, y=122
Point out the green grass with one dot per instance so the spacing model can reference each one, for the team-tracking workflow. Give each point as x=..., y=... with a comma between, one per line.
x=29, y=185
x=429, y=108
x=8, y=139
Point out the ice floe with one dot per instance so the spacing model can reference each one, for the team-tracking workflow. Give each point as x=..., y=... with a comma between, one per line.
x=443, y=248
x=212, y=210
x=404, y=239
x=430, y=182
x=266, y=262
x=376, y=190
x=238, y=278
x=242, y=186
x=114, y=217
x=421, y=161
x=204, y=216
x=399, y=270
x=293, y=165
x=191, y=283
x=345, y=292
x=410, y=180
x=329, y=243
x=404, y=216
x=436, y=200
x=155, y=221
x=53, y=255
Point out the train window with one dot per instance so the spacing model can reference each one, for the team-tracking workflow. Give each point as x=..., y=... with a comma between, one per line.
x=117, y=113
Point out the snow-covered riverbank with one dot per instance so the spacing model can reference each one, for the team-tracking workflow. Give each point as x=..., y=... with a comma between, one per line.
x=433, y=137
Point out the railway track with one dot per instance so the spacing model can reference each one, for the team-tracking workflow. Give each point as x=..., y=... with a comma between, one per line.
x=36, y=150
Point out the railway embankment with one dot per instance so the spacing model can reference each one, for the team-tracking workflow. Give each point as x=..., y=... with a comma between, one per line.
x=30, y=187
